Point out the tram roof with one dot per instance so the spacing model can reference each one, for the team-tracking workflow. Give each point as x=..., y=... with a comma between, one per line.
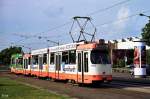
x=70, y=46
x=39, y=51
x=26, y=55
x=65, y=47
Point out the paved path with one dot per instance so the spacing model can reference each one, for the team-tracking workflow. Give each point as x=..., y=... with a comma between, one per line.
x=130, y=78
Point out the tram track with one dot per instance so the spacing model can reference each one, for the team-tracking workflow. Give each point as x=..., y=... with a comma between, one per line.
x=124, y=83
x=133, y=86
x=104, y=91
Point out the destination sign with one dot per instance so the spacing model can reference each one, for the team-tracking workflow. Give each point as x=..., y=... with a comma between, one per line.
x=63, y=47
x=39, y=51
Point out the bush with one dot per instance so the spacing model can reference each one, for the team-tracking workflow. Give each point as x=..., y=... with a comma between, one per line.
x=120, y=63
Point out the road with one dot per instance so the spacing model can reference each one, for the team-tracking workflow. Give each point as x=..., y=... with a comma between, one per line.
x=114, y=90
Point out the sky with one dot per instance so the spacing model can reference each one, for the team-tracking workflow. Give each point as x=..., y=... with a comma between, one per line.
x=23, y=21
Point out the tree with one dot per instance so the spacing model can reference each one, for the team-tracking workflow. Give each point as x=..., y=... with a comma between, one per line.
x=146, y=33
x=148, y=56
x=5, y=55
x=146, y=37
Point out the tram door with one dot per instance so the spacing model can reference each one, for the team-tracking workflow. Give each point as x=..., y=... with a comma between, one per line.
x=25, y=65
x=40, y=64
x=82, y=62
x=57, y=64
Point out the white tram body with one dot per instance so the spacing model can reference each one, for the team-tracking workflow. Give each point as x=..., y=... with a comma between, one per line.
x=39, y=62
x=78, y=62
x=27, y=64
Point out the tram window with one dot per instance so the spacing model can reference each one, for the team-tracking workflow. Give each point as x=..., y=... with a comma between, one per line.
x=58, y=62
x=35, y=59
x=19, y=61
x=13, y=61
x=100, y=57
x=72, y=57
x=79, y=62
x=24, y=63
x=29, y=62
x=65, y=57
x=40, y=62
x=86, y=62
x=45, y=59
x=52, y=58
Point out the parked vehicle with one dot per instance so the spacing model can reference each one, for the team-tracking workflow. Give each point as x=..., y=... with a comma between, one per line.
x=131, y=69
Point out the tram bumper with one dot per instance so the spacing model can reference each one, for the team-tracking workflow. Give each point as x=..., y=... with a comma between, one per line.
x=102, y=78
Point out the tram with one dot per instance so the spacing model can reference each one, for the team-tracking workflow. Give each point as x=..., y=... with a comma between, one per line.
x=27, y=64
x=81, y=62
x=16, y=64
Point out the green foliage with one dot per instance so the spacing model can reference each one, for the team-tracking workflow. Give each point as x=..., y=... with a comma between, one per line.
x=146, y=36
x=114, y=66
x=120, y=63
x=148, y=56
x=146, y=33
x=5, y=55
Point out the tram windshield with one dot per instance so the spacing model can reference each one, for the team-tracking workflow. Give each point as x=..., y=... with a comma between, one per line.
x=19, y=60
x=100, y=57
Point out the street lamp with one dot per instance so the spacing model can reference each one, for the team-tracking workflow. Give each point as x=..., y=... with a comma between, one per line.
x=141, y=14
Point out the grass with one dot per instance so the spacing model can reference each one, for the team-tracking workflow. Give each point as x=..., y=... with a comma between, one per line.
x=10, y=89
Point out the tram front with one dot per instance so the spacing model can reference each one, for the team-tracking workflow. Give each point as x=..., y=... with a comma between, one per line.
x=93, y=63
x=100, y=65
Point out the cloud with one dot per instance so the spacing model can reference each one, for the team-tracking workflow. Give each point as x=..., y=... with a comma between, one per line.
x=119, y=28
x=54, y=11
x=120, y=24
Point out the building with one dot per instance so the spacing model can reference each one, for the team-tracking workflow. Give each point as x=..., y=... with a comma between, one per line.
x=122, y=50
